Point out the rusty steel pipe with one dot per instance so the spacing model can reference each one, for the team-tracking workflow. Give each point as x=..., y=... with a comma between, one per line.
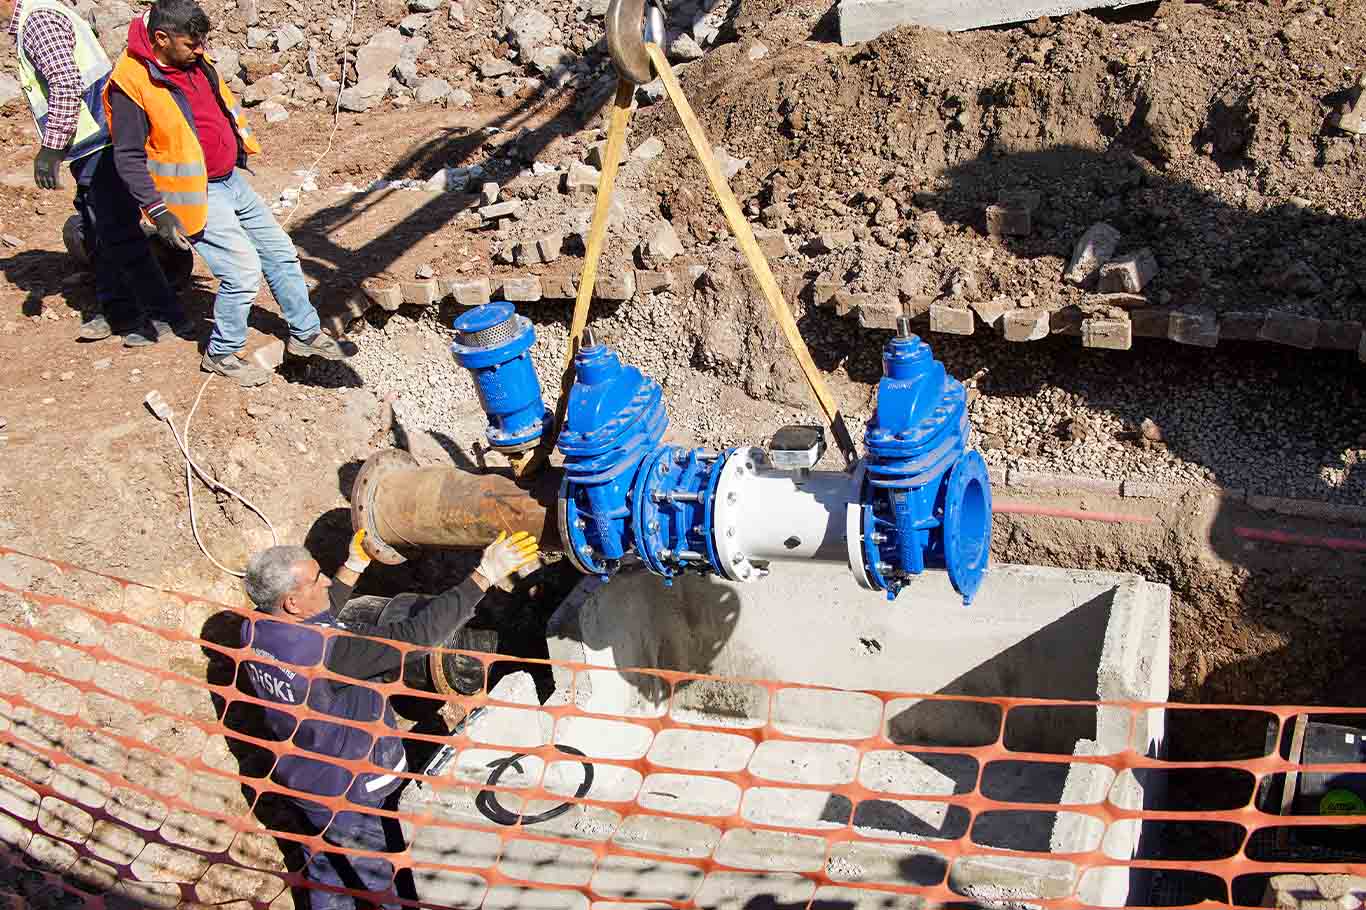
x=404, y=507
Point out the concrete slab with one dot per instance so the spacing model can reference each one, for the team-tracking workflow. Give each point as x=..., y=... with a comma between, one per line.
x=864, y=20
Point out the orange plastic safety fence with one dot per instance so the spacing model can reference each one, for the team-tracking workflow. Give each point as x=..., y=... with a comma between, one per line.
x=135, y=770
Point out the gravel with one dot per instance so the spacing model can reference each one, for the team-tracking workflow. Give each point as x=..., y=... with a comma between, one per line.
x=1280, y=425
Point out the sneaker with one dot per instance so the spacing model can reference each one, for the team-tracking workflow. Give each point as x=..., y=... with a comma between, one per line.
x=140, y=337
x=182, y=328
x=235, y=368
x=320, y=345
x=96, y=328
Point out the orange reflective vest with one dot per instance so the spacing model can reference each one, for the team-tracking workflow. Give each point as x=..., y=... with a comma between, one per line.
x=175, y=158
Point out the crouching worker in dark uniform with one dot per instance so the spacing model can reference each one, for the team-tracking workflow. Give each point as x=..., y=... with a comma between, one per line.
x=287, y=583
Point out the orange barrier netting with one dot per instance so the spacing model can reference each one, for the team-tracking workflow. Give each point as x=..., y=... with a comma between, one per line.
x=131, y=773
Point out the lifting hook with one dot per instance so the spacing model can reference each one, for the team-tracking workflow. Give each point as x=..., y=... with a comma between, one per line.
x=631, y=24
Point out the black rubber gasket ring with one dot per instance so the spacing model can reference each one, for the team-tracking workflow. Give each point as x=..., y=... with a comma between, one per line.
x=487, y=800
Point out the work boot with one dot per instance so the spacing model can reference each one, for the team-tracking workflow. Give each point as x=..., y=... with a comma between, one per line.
x=320, y=345
x=140, y=337
x=183, y=327
x=96, y=328
x=235, y=368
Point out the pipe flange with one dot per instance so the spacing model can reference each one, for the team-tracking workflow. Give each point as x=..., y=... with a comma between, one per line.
x=853, y=532
x=626, y=41
x=372, y=474
x=727, y=511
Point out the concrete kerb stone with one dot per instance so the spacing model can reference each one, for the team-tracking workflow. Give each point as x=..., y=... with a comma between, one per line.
x=1290, y=329
x=467, y=291
x=420, y=292
x=952, y=320
x=1025, y=325
x=1110, y=334
x=385, y=295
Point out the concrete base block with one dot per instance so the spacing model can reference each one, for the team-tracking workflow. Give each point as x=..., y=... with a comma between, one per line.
x=951, y=320
x=866, y=19
x=810, y=624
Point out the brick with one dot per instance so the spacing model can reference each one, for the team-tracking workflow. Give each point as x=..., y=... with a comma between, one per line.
x=1109, y=334
x=1151, y=322
x=1092, y=250
x=879, y=314
x=951, y=320
x=1025, y=325
x=1289, y=329
x=385, y=296
x=772, y=243
x=1128, y=274
x=559, y=287
x=1194, y=325
x=991, y=311
x=1241, y=326
x=648, y=281
x=621, y=286
x=422, y=292
x=1009, y=221
x=522, y=289
x=468, y=291
x=1339, y=334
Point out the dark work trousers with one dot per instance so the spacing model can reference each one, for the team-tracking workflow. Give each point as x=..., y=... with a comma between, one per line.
x=129, y=283
x=361, y=831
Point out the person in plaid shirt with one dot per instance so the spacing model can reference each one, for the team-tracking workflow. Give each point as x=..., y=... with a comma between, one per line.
x=63, y=71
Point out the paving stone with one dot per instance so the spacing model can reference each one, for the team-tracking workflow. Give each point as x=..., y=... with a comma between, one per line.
x=468, y=291
x=616, y=287
x=1092, y=250
x=1009, y=221
x=1289, y=329
x=992, y=311
x=879, y=314
x=1338, y=335
x=500, y=210
x=1237, y=326
x=423, y=292
x=1108, y=334
x=522, y=289
x=581, y=178
x=951, y=320
x=560, y=287
x=1128, y=274
x=648, y=281
x=1194, y=325
x=1025, y=325
x=385, y=296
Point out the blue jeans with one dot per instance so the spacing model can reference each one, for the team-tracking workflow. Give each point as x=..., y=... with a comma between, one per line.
x=242, y=241
x=129, y=282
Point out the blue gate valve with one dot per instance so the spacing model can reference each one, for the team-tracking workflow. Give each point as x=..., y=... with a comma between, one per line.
x=494, y=344
x=924, y=498
x=615, y=420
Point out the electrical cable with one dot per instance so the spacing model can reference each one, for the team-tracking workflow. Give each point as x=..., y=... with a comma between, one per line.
x=192, y=469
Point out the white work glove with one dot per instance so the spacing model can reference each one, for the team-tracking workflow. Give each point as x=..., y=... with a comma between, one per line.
x=506, y=555
x=357, y=560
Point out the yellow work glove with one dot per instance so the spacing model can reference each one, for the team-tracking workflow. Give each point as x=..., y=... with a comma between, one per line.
x=506, y=555
x=357, y=560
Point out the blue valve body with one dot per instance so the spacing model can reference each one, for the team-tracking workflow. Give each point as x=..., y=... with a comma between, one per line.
x=494, y=344
x=926, y=498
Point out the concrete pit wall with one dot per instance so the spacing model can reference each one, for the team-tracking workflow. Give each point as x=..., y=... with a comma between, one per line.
x=1047, y=633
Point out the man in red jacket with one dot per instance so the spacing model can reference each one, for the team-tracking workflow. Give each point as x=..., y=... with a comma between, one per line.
x=181, y=143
